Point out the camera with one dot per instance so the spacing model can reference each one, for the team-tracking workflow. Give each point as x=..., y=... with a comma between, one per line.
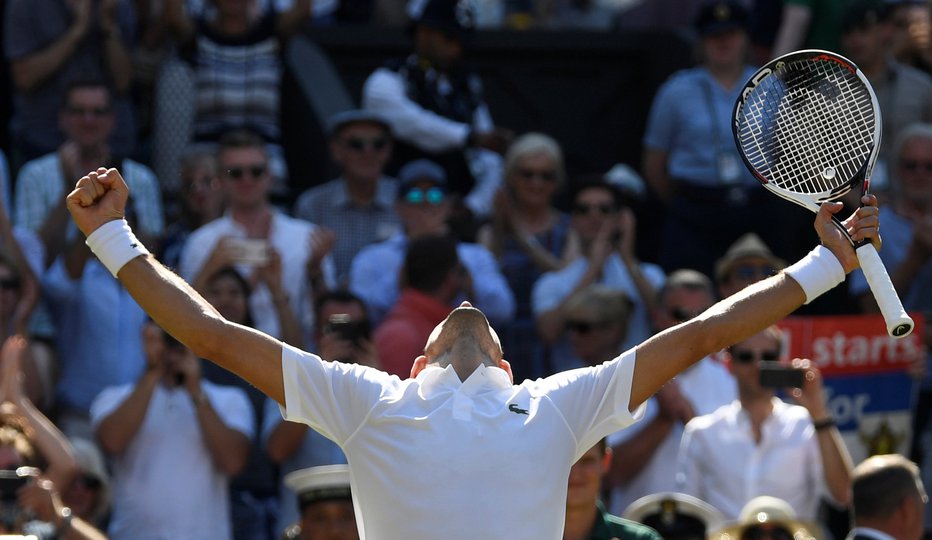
x=348, y=329
x=250, y=250
x=10, y=482
x=776, y=375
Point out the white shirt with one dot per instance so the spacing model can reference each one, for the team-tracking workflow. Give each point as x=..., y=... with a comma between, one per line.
x=165, y=484
x=434, y=457
x=720, y=463
x=707, y=385
x=287, y=235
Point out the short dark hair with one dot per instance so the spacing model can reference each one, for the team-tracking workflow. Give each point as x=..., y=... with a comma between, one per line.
x=596, y=181
x=428, y=261
x=231, y=272
x=83, y=83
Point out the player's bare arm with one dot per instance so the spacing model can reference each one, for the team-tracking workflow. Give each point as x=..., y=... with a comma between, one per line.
x=741, y=315
x=99, y=198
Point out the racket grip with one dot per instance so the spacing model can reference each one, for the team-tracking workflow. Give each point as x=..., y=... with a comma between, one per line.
x=899, y=324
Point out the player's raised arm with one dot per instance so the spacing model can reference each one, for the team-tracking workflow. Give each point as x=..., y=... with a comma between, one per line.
x=747, y=312
x=97, y=206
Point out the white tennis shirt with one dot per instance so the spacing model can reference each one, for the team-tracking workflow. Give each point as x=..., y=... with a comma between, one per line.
x=434, y=457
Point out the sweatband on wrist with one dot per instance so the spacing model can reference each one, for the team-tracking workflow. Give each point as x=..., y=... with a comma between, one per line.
x=817, y=272
x=115, y=245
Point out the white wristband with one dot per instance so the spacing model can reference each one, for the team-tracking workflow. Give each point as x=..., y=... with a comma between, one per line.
x=115, y=245
x=817, y=272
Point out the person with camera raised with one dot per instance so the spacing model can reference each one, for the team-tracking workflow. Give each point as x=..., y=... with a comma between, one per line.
x=174, y=440
x=250, y=230
x=29, y=500
x=761, y=445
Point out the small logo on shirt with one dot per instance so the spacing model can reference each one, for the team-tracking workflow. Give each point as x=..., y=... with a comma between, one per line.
x=517, y=410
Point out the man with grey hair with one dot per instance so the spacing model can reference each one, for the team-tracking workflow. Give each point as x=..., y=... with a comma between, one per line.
x=457, y=450
x=887, y=499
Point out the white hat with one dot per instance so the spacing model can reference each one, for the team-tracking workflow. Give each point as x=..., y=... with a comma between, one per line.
x=772, y=510
x=319, y=483
x=675, y=515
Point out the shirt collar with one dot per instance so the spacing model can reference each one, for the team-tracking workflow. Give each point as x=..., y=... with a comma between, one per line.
x=435, y=379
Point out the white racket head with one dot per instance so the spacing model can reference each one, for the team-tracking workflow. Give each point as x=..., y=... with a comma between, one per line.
x=808, y=127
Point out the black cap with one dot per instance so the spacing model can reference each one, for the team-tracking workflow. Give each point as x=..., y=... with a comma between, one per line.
x=455, y=18
x=863, y=14
x=721, y=16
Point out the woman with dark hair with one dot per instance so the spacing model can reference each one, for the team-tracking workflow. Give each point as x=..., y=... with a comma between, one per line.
x=254, y=492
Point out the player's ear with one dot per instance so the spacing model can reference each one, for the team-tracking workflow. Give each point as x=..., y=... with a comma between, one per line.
x=419, y=364
x=505, y=365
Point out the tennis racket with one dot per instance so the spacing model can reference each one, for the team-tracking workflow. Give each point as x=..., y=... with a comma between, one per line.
x=808, y=127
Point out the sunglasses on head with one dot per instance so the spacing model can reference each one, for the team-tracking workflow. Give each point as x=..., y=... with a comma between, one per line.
x=758, y=532
x=746, y=357
x=255, y=171
x=605, y=208
x=584, y=327
x=530, y=174
x=431, y=195
x=359, y=144
x=753, y=271
x=913, y=165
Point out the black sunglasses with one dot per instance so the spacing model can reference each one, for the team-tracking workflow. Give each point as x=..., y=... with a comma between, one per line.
x=238, y=173
x=359, y=144
x=9, y=284
x=913, y=165
x=530, y=174
x=746, y=357
x=681, y=315
x=584, y=327
x=582, y=209
x=754, y=271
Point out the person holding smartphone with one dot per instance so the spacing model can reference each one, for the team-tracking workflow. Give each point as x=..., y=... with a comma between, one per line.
x=760, y=444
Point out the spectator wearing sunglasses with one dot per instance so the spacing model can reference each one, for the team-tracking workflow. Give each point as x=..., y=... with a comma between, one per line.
x=768, y=518
x=303, y=248
x=88, y=495
x=760, y=444
x=604, y=228
x=748, y=260
x=647, y=451
x=358, y=206
x=423, y=205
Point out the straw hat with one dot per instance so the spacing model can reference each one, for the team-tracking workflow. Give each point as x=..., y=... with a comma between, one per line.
x=768, y=510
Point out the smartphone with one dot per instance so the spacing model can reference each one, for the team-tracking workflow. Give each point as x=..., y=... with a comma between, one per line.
x=777, y=375
x=250, y=250
x=10, y=482
x=346, y=328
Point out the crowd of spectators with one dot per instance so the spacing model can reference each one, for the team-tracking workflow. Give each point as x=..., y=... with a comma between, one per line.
x=433, y=203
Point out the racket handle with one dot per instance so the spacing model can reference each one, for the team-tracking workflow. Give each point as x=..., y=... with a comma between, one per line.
x=899, y=324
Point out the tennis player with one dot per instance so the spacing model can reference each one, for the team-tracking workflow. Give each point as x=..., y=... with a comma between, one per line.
x=458, y=451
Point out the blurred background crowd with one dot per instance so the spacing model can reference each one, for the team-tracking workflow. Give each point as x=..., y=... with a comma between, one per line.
x=340, y=173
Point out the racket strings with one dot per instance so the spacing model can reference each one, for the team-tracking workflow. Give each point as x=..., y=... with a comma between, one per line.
x=808, y=127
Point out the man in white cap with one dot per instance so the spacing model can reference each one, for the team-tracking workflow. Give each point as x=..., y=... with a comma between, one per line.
x=326, y=504
x=457, y=450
